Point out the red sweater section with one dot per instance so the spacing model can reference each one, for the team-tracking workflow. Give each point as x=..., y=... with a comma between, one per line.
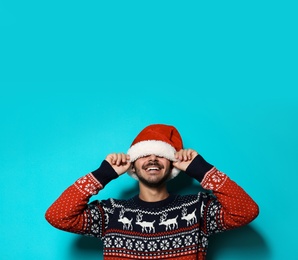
x=238, y=208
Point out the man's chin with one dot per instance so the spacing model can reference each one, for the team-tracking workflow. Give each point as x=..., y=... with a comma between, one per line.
x=153, y=182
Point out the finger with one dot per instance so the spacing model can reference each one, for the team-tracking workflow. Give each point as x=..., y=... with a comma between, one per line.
x=179, y=155
x=119, y=159
x=113, y=157
x=189, y=154
x=123, y=159
x=185, y=155
x=193, y=154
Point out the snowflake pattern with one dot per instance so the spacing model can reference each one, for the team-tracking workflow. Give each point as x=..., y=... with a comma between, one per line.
x=94, y=214
x=188, y=240
x=165, y=244
x=118, y=242
x=129, y=244
x=90, y=188
x=209, y=186
x=213, y=210
x=139, y=245
x=204, y=242
x=108, y=242
x=88, y=184
x=95, y=228
x=82, y=180
x=213, y=180
x=152, y=246
x=216, y=178
x=177, y=242
x=212, y=225
x=197, y=238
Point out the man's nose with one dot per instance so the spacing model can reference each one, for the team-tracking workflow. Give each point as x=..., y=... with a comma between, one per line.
x=152, y=157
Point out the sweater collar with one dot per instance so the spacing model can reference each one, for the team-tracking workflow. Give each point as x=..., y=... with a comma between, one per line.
x=156, y=204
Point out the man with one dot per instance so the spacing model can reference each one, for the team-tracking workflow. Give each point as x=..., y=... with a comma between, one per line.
x=154, y=224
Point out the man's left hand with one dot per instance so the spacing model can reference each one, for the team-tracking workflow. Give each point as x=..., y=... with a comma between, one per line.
x=184, y=158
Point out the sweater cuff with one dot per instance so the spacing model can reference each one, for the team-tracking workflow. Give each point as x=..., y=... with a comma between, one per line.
x=105, y=173
x=198, y=168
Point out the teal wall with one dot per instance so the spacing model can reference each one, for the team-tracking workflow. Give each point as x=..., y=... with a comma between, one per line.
x=80, y=79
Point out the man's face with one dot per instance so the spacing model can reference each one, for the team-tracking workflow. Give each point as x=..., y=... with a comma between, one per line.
x=152, y=171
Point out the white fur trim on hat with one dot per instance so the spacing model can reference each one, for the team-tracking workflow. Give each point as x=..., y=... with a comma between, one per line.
x=158, y=148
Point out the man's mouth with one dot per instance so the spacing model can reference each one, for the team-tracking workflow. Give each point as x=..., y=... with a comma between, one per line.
x=149, y=169
x=152, y=167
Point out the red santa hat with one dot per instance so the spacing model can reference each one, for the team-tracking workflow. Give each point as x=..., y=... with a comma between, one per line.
x=158, y=139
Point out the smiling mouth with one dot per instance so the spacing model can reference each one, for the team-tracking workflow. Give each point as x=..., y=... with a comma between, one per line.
x=149, y=169
x=153, y=167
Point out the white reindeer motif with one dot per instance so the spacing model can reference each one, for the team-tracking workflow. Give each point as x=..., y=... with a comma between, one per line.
x=190, y=218
x=145, y=224
x=169, y=223
x=125, y=221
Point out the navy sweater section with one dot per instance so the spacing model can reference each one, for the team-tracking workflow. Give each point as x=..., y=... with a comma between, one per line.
x=198, y=168
x=105, y=173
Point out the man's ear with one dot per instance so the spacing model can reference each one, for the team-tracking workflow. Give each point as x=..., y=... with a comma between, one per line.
x=132, y=167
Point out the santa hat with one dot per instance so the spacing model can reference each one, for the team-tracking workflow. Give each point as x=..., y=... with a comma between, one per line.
x=158, y=139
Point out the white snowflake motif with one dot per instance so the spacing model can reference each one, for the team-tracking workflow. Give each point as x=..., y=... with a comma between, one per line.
x=188, y=240
x=204, y=242
x=213, y=210
x=196, y=239
x=209, y=186
x=177, y=242
x=216, y=178
x=220, y=173
x=90, y=189
x=108, y=242
x=128, y=244
x=164, y=244
x=82, y=180
x=213, y=225
x=140, y=246
x=118, y=242
x=94, y=214
x=152, y=246
x=95, y=228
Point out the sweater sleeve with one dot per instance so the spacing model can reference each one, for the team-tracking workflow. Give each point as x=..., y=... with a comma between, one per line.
x=232, y=207
x=72, y=211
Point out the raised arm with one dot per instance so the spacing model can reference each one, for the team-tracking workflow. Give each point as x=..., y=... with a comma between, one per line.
x=232, y=206
x=71, y=211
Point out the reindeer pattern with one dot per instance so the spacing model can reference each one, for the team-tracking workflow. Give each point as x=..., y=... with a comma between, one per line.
x=127, y=216
x=146, y=226
x=190, y=218
x=124, y=220
x=149, y=222
x=168, y=223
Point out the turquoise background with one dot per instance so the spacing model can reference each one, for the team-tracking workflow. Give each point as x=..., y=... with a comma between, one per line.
x=79, y=80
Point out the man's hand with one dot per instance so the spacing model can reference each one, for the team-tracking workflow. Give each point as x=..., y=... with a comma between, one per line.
x=119, y=162
x=184, y=158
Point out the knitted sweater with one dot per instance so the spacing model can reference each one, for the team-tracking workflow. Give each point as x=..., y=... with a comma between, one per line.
x=175, y=228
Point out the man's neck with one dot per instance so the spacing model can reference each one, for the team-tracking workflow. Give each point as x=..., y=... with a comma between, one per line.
x=150, y=194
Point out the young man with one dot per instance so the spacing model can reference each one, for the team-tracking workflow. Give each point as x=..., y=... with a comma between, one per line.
x=154, y=224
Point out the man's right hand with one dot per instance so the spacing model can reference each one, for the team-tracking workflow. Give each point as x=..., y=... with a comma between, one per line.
x=119, y=161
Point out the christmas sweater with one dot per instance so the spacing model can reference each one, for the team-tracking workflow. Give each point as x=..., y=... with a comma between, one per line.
x=175, y=228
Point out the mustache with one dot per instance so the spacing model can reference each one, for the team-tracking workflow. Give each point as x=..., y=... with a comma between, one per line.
x=152, y=163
